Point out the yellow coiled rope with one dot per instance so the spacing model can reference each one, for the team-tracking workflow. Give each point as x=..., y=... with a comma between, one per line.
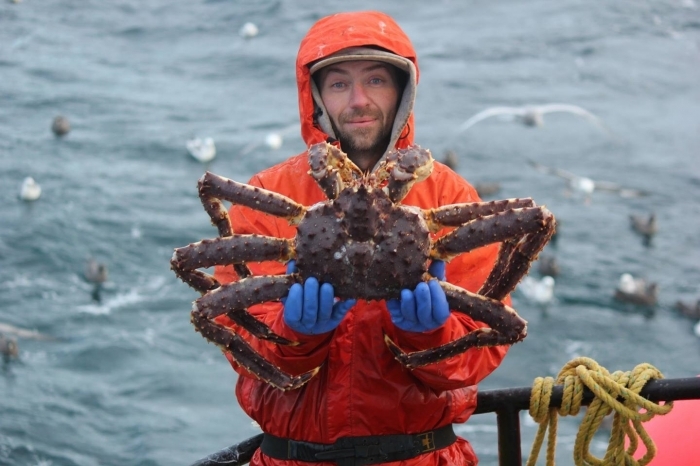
x=608, y=388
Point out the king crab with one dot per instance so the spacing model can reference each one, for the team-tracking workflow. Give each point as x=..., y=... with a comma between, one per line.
x=367, y=245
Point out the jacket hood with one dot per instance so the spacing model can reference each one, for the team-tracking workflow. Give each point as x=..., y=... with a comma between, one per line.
x=353, y=33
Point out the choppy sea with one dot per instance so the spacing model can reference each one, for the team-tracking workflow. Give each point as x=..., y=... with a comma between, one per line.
x=126, y=380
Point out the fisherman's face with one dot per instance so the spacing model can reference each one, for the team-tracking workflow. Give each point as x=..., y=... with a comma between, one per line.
x=361, y=98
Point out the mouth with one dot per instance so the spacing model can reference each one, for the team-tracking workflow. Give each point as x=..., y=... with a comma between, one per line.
x=360, y=122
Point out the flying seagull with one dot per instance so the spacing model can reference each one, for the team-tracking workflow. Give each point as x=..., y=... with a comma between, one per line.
x=586, y=186
x=533, y=115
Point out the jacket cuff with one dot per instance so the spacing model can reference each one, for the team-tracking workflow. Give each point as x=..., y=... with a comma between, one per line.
x=418, y=341
x=310, y=352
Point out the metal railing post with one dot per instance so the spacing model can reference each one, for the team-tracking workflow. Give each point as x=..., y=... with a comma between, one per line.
x=509, y=449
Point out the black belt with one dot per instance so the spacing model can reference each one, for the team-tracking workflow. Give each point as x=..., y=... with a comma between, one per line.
x=355, y=451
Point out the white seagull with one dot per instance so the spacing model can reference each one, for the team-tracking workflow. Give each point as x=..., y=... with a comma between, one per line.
x=30, y=190
x=636, y=290
x=585, y=186
x=248, y=30
x=202, y=150
x=538, y=291
x=533, y=115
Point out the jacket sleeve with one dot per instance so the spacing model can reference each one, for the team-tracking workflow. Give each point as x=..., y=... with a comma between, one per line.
x=312, y=349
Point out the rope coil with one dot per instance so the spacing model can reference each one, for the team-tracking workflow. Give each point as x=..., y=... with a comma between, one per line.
x=608, y=389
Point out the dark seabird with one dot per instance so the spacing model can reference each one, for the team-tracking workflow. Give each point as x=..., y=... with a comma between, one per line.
x=646, y=226
x=95, y=273
x=60, y=126
x=548, y=265
x=8, y=348
x=689, y=310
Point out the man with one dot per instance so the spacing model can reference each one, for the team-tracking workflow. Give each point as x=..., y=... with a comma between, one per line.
x=357, y=76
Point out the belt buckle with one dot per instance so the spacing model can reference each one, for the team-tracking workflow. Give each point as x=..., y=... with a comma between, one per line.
x=427, y=441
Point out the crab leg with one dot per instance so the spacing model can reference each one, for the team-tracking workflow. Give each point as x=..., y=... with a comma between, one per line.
x=234, y=298
x=213, y=188
x=235, y=249
x=523, y=233
x=514, y=260
x=455, y=215
x=502, y=226
x=200, y=281
x=247, y=357
x=506, y=328
x=217, y=187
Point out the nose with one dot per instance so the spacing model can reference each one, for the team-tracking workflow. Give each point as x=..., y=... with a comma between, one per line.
x=358, y=96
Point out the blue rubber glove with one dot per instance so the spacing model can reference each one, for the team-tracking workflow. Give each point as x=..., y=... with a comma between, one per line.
x=312, y=309
x=424, y=308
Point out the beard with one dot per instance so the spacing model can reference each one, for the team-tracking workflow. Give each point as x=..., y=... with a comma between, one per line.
x=364, y=142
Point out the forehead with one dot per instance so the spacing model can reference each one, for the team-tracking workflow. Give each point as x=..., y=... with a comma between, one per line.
x=355, y=67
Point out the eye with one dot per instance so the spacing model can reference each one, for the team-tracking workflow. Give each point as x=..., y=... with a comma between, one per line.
x=377, y=81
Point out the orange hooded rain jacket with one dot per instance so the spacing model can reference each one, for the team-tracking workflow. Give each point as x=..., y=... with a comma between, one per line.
x=361, y=389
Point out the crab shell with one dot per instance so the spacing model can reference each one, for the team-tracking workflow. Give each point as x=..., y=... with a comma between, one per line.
x=363, y=244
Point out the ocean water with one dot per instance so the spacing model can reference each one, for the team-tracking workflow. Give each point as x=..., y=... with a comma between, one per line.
x=126, y=380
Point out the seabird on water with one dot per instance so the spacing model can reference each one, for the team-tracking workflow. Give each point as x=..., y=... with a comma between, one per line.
x=586, y=186
x=30, y=190
x=636, y=290
x=202, y=150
